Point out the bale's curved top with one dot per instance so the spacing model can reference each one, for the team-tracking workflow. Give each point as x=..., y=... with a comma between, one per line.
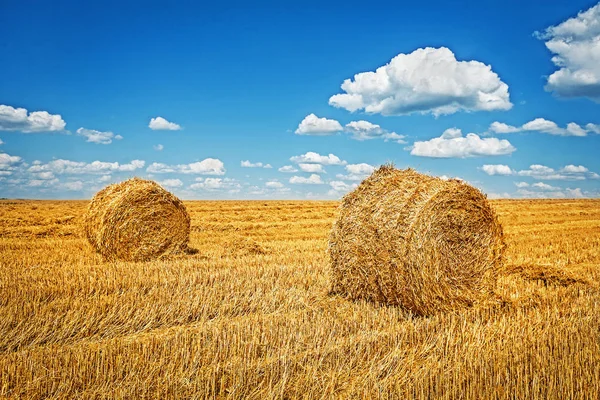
x=137, y=220
x=408, y=239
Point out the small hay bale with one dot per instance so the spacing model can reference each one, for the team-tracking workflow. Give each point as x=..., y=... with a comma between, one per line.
x=137, y=220
x=423, y=243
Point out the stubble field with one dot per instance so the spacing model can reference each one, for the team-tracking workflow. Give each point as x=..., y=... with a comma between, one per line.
x=249, y=315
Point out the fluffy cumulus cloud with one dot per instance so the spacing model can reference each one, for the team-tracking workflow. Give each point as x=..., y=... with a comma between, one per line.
x=543, y=172
x=593, y=128
x=208, y=166
x=274, y=184
x=365, y=130
x=18, y=119
x=451, y=144
x=356, y=172
x=497, y=169
x=216, y=184
x=313, y=125
x=161, y=124
x=313, y=168
x=61, y=167
x=575, y=44
x=314, y=179
x=248, y=164
x=545, y=126
x=8, y=164
x=428, y=80
x=287, y=169
x=544, y=186
x=316, y=158
x=158, y=147
x=341, y=187
x=98, y=137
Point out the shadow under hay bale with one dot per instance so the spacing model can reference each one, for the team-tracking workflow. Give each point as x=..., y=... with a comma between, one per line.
x=426, y=244
x=546, y=274
x=137, y=220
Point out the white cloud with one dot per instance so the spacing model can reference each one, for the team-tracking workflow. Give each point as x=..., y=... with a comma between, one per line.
x=360, y=169
x=574, y=168
x=569, y=172
x=8, y=164
x=365, y=130
x=544, y=126
x=287, y=169
x=492, y=195
x=18, y=119
x=216, y=184
x=316, y=158
x=501, y=127
x=209, y=166
x=313, y=125
x=593, y=128
x=521, y=184
x=547, y=191
x=248, y=164
x=73, y=186
x=576, y=45
x=356, y=172
x=542, y=172
x=42, y=183
x=158, y=147
x=274, y=184
x=544, y=186
x=61, y=167
x=314, y=168
x=574, y=193
x=98, y=137
x=105, y=178
x=314, y=179
x=1, y=142
x=453, y=145
x=427, y=80
x=171, y=183
x=497, y=169
x=340, y=186
x=45, y=175
x=161, y=124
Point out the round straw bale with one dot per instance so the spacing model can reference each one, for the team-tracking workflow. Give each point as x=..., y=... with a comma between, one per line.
x=137, y=220
x=423, y=243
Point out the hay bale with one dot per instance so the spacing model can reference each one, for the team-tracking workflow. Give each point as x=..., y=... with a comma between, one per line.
x=137, y=220
x=426, y=244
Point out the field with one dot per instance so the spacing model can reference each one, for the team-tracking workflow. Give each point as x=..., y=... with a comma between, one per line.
x=249, y=314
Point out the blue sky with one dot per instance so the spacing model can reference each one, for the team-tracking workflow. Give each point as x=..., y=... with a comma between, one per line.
x=201, y=97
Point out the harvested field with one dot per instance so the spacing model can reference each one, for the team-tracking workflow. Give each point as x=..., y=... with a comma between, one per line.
x=248, y=313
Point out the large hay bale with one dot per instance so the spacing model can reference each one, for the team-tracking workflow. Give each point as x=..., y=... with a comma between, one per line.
x=137, y=220
x=426, y=244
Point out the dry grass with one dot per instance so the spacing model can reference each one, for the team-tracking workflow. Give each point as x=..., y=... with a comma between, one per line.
x=137, y=220
x=249, y=315
x=427, y=244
